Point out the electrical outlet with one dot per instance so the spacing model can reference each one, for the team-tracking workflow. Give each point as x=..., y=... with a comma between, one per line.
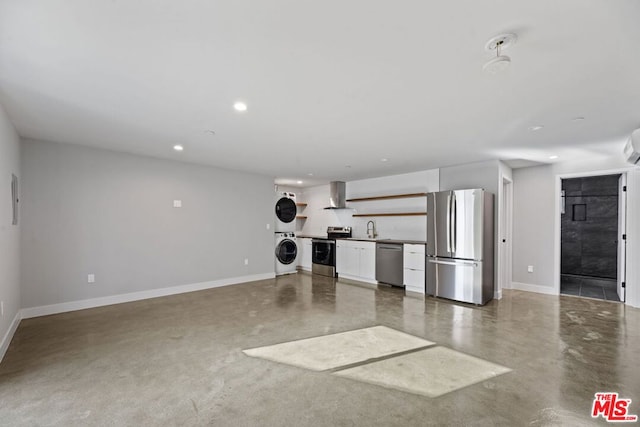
x=530, y=269
x=246, y=261
x=268, y=226
x=91, y=278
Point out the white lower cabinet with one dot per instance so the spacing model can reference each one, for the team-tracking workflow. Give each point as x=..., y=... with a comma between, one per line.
x=368, y=261
x=414, y=268
x=356, y=260
x=304, y=253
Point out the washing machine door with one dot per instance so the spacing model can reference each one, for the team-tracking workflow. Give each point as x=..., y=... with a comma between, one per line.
x=286, y=251
x=286, y=210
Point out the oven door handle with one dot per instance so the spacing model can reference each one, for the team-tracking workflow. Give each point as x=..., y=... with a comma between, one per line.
x=328, y=242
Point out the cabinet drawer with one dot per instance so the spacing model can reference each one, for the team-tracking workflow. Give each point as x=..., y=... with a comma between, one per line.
x=414, y=280
x=414, y=261
x=414, y=249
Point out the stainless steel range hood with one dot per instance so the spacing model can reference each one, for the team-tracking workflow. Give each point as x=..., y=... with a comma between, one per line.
x=337, y=195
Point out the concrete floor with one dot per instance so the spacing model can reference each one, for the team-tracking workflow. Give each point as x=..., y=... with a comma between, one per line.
x=178, y=360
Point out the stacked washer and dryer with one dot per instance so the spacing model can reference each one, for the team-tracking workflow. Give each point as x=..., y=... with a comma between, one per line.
x=285, y=238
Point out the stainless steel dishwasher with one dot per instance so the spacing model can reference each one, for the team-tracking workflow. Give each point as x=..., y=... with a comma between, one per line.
x=389, y=267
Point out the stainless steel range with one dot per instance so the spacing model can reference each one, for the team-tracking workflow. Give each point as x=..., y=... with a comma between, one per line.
x=323, y=251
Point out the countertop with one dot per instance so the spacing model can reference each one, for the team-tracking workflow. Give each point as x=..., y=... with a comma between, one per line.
x=364, y=239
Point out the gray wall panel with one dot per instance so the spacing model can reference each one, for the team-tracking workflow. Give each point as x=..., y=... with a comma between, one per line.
x=94, y=211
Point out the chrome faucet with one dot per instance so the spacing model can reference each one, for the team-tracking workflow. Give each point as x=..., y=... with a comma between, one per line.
x=371, y=231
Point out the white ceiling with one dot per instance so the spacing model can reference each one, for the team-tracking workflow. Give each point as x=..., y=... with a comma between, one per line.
x=328, y=83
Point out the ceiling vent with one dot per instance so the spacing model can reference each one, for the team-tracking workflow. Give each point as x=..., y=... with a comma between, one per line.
x=632, y=149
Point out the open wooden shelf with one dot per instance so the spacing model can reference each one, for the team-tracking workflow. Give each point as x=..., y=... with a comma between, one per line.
x=393, y=214
x=302, y=205
x=393, y=196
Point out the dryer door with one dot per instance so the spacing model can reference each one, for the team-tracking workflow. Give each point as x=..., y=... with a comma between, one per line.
x=286, y=251
x=286, y=210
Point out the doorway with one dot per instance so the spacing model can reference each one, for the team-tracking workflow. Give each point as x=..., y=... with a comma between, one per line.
x=592, y=247
x=505, y=215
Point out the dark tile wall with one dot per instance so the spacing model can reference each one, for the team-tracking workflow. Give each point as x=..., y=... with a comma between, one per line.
x=590, y=247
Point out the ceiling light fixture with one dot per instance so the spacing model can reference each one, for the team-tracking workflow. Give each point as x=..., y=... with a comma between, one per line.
x=299, y=182
x=240, y=106
x=498, y=44
x=310, y=174
x=178, y=147
x=535, y=128
x=384, y=160
x=553, y=157
x=577, y=119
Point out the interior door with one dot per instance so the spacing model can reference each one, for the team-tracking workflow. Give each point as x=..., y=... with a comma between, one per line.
x=466, y=224
x=622, y=231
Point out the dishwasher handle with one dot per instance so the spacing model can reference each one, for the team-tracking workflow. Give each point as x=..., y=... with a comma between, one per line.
x=390, y=248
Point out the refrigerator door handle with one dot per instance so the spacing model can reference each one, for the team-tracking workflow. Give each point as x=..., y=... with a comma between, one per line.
x=449, y=222
x=454, y=227
x=459, y=263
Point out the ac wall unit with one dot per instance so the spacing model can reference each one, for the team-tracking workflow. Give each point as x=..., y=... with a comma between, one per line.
x=632, y=149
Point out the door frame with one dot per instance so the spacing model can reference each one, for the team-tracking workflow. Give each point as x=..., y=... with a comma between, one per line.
x=505, y=232
x=622, y=243
x=557, y=217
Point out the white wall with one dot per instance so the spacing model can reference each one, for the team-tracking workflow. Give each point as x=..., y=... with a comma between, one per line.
x=9, y=234
x=471, y=175
x=318, y=218
x=535, y=221
x=402, y=227
x=87, y=210
x=487, y=175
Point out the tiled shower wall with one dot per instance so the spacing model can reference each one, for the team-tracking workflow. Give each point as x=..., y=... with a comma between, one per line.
x=590, y=226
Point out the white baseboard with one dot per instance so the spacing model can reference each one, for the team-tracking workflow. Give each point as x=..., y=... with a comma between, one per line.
x=533, y=288
x=46, y=310
x=357, y=279
x=6, y=340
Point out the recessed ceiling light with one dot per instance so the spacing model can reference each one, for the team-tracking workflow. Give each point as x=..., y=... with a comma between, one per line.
x=210, y=132
x=310, y=174
x=178, y=147
x=348, y=166
x=535, y=128
x=553, y=157
x=299, y=182
x=384, y=160
x=577, y=119
x=240, y=106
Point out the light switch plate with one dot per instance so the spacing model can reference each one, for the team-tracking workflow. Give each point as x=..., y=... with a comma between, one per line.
x=177, y=203
x=91, y=278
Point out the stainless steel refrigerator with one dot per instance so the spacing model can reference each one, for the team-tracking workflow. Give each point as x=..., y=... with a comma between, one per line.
x=460, y=245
